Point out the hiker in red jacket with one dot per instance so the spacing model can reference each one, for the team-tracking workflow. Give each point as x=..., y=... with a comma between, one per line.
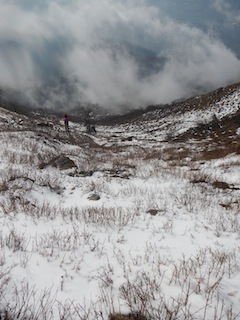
x=66, y=122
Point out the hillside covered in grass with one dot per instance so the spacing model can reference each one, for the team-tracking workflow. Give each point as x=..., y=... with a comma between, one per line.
x=138, y=221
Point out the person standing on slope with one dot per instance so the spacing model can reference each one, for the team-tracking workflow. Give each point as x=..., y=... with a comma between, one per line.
x=66, y=122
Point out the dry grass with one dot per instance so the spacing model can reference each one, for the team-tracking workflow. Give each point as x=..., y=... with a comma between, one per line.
x=172, y=187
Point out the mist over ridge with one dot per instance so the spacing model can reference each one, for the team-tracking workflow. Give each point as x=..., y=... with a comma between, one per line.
x=116, y=53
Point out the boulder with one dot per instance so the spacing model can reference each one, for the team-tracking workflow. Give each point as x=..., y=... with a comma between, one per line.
x=94, y=197
x=62, y=163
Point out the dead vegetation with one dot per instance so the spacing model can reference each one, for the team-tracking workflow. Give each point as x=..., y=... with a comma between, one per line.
x=160, y=186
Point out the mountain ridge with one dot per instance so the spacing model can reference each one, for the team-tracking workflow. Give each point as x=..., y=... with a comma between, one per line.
x=211, y=117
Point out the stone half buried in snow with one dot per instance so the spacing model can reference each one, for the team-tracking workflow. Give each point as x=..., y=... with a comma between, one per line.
x=62, y=163
x=81, y=173
x=94, y=197
x=154, y=212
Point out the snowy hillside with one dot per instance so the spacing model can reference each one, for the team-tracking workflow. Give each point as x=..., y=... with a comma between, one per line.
x=141, y=219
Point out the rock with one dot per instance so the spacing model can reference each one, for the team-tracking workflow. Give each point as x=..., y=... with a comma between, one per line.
x=153, y=212
x=81, y=174
x=232, y=294
x=221, y=185
x=45, y=124
x=62, y=163
x=94, y=197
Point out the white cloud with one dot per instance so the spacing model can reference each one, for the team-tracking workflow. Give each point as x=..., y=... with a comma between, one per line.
x=76, y=39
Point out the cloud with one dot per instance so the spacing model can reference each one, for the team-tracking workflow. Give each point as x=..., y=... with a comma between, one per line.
x=227, y=11
x=60, y=53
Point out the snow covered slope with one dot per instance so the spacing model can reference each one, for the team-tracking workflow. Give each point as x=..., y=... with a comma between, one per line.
x=142, y=218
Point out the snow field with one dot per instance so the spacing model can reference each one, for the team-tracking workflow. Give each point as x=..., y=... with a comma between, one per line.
x=162, y=240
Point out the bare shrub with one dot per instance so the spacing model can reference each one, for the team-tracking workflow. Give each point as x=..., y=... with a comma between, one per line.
x=26, y=303
x=14, y=241
x=58, y=240
x=108, y=216
x=141, y=296
x=198, y=275
x=70, y=310
x=5, y=278
x=4, y=185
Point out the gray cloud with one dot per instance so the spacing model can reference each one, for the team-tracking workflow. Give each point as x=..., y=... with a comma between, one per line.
x=228, y=11
x=65, y=52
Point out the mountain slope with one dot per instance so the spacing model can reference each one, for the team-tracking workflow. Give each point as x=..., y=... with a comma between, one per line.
x=202, y=122
x=137, y=222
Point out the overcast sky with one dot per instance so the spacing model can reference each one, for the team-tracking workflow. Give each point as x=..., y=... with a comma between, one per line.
x=77, y=50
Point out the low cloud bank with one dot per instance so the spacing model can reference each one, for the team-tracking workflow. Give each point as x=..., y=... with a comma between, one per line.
x=61, y=53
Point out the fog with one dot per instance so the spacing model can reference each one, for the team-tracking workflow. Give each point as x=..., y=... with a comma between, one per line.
x=116, y=54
